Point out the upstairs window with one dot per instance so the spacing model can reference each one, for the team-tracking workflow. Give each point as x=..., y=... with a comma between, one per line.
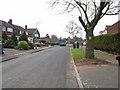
x=10, y=29
x=3, y=28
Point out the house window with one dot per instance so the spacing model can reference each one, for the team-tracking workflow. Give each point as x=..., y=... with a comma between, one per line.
x=10, y=29
x=3, y=28
x=20, y=32
x=36, y=35
x=26, y=33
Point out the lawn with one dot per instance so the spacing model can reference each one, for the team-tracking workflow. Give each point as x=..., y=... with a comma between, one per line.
x=77, y=53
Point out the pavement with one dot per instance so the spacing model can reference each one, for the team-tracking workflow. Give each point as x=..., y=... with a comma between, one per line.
x=10, y=54
x=100, y=76
x=106, y=56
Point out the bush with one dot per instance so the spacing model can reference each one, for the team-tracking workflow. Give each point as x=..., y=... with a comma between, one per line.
x=43, y=41
x=108, y=42
x=31, y=45
x=38, y=45
x=14, y=38
x=9, y=43
x=4, y=36
x=23, y=45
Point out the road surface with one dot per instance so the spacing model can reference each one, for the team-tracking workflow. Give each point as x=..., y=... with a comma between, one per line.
x=44, y=69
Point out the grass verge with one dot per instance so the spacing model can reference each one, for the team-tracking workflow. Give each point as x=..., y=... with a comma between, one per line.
x=77, y=53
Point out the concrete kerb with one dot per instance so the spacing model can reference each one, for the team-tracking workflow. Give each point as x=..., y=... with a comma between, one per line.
x=17, y=55
x=80, y=85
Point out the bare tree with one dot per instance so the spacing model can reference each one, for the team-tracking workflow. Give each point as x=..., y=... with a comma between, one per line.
x=90, y=12
x=73, y=29
x=54, y=38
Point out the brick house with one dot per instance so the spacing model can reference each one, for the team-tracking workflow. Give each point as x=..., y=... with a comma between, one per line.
x=6, y=27
x=115, y=28
x=10, y=28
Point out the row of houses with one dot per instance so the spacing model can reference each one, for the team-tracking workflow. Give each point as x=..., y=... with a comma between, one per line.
x=115, y=28
x=9, y=28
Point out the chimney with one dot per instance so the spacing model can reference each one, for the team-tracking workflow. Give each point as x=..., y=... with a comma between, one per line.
x=25, y=26
x=10, y=21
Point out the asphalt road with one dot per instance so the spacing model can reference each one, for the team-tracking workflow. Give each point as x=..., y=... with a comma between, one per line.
x=44, y=69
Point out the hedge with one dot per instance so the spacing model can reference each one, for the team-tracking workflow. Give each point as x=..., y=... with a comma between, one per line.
x=108, y=42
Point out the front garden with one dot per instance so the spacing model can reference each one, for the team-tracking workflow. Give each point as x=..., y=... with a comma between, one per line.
x=13, y=42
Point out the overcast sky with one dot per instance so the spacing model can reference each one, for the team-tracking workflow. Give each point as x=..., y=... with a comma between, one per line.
x=29, y=12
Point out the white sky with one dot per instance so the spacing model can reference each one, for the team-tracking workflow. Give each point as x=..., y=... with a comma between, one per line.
x=28, y=12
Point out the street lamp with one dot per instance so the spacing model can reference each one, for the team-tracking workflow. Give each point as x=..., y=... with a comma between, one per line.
x=36, y=35
x=37, y=24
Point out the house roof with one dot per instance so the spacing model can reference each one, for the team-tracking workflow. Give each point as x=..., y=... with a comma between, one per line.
x=31, y=30
x=3, y=23
x=19, y=27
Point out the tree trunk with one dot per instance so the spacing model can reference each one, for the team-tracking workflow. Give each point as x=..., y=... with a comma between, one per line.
x=90, y=44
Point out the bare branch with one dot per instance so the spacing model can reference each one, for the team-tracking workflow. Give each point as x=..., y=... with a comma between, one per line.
x=78, y=3
x=82, y=22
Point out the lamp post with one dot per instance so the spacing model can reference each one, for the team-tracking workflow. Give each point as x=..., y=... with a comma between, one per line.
x=37, y=24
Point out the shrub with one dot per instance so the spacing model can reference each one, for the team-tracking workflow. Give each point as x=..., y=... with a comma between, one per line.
x=31, y=45
x=23, y=45
x=38, y=45
x=4, y=36
x=108, y=42
x=14, y=38
x=9, y=43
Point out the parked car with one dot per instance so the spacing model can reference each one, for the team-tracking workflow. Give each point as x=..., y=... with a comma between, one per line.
x=62, y=44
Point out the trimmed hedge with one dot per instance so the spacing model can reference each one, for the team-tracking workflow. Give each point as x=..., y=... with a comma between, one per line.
x=108, y=42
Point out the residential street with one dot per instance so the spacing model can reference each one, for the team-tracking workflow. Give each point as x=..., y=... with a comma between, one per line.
x=45, y=69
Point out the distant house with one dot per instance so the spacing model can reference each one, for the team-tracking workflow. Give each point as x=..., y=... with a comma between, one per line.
x=115, y=28
x=46, y=39
x=33, y=34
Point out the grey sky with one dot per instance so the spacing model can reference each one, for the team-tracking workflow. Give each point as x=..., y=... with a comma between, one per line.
x=28, y=12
